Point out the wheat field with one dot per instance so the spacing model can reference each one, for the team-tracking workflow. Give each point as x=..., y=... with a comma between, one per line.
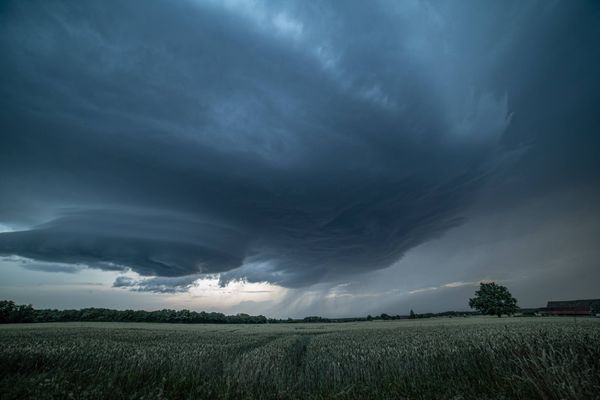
x=446, y=358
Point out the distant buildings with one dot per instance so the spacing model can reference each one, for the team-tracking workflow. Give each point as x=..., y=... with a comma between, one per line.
x=572, y=307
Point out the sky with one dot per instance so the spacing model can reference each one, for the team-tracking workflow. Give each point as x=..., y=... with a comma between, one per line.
x=298, y=158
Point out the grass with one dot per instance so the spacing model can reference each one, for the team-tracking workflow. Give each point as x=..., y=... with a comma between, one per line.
x=459, y=358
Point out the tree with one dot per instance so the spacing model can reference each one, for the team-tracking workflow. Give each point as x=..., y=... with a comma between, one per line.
x=493, y=299
x=7, y=310
x=10, y=312
x=412, y=314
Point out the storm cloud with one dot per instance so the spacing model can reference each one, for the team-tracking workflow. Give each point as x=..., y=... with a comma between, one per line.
x=291, y=143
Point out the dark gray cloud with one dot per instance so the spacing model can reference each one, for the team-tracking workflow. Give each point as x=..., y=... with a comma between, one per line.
x=289, y=143
x=66, y=268
x=44, y=266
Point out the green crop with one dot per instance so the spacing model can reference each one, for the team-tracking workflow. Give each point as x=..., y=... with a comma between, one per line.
x=467, y=358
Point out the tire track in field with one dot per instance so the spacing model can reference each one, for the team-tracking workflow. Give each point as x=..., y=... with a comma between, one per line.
x=278, y=365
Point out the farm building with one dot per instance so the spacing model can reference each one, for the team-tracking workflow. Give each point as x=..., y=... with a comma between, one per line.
x=573, y=307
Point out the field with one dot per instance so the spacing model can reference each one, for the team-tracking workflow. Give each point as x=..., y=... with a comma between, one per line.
x=459, y=358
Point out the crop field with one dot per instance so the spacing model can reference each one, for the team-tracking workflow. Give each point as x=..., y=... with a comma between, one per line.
x=458, y=358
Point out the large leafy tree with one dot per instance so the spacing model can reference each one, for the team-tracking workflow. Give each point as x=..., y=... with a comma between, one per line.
x=493, y=299
x=7, y=309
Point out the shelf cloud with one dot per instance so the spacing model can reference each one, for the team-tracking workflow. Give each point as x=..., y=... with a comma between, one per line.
x=283, y=143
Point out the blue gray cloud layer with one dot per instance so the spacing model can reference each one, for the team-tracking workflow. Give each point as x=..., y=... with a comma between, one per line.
x=285, y=142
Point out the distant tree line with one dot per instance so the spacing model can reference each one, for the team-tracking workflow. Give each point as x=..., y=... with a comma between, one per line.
x=13, y=313
x=382, y=317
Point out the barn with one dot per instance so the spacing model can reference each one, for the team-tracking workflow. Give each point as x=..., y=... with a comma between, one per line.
x=586, y=307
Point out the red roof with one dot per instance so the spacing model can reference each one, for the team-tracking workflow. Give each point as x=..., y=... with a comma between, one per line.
x=568, y=311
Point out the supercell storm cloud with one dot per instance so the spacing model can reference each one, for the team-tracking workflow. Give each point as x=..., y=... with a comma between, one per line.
x=291, y=142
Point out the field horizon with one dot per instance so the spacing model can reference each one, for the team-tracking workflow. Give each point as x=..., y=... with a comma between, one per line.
x=431, y=321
